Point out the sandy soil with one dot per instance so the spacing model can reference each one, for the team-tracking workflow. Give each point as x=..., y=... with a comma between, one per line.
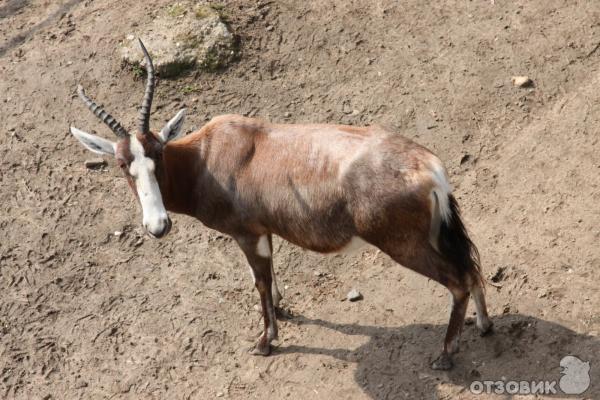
x=85, y=314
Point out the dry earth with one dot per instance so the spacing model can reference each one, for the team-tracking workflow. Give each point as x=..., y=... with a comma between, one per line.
x=85, y=314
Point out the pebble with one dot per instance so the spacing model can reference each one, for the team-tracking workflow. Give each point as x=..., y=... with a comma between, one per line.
x=522, y=81
x=80, y=384
x=354, y=295
x=94, y=163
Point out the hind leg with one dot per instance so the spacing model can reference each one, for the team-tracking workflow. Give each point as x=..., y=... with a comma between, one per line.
x=426, y=261
x=460, y=300
x=484, y=323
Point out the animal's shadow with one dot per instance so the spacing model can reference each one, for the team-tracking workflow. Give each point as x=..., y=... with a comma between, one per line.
x=394, y=363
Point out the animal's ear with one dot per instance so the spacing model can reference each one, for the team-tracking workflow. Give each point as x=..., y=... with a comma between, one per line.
x=94, y=143
x=173, y=128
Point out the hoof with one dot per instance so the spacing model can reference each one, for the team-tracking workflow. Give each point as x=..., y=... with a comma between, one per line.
x=277, y=297
x=282, y=314
x=262, y=348
x=486, y=329
x=442, y=363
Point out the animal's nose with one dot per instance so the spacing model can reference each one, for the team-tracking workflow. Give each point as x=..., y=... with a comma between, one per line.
x=161, y=229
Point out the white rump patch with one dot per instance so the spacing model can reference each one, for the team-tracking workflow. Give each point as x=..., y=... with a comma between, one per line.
x=262, y=247
x=441, y=188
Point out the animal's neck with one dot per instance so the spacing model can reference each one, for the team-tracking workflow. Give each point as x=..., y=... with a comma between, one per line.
x=178, y=184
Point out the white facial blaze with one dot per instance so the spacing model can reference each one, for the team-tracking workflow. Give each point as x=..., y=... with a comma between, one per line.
x=154, y=213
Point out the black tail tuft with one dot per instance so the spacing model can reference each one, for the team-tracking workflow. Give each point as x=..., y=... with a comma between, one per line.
x=456, y=246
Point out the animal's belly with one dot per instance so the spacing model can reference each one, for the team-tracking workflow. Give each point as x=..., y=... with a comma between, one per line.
x=355, y=245
x=327, y=244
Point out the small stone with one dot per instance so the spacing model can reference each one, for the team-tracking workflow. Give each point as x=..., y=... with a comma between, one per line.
x=94, y=163
x=270, y=28
x=499, y=275
x=118, y=233
x=287, y=114
x=346, y=108
x=80, y=384
x=220, y=394
x=354, y=295
x=522, y=81
x=474, y=373
x=125, y=387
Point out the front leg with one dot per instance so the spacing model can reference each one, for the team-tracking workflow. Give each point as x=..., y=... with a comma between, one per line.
x=258, y=253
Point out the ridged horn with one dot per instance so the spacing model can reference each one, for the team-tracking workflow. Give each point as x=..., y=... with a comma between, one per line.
x=99, y=112
x=144, y=118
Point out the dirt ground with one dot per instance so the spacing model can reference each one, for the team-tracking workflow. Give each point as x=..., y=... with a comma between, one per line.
x=85, y=314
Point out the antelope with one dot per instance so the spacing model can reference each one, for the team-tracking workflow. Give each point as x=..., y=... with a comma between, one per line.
x=325, y=188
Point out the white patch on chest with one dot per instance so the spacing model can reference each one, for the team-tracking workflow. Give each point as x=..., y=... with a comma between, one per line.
x=355, y=244
x=262, y=247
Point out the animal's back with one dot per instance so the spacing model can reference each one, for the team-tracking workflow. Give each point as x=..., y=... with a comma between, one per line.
x=316, y=185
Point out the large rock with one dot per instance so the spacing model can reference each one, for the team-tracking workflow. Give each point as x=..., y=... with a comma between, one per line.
x=183, y=35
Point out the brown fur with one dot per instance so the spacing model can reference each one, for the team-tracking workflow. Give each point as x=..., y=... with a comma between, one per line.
x=317, y=186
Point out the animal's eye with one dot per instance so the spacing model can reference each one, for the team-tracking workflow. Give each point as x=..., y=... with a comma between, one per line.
x=121, y=163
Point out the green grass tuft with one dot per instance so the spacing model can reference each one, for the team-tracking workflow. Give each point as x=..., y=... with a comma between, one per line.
x=176, y=10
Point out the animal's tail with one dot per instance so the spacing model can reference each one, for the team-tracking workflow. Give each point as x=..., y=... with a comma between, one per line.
x=456, y=245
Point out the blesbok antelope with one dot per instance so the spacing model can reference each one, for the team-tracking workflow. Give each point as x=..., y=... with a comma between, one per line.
x=321, y=187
